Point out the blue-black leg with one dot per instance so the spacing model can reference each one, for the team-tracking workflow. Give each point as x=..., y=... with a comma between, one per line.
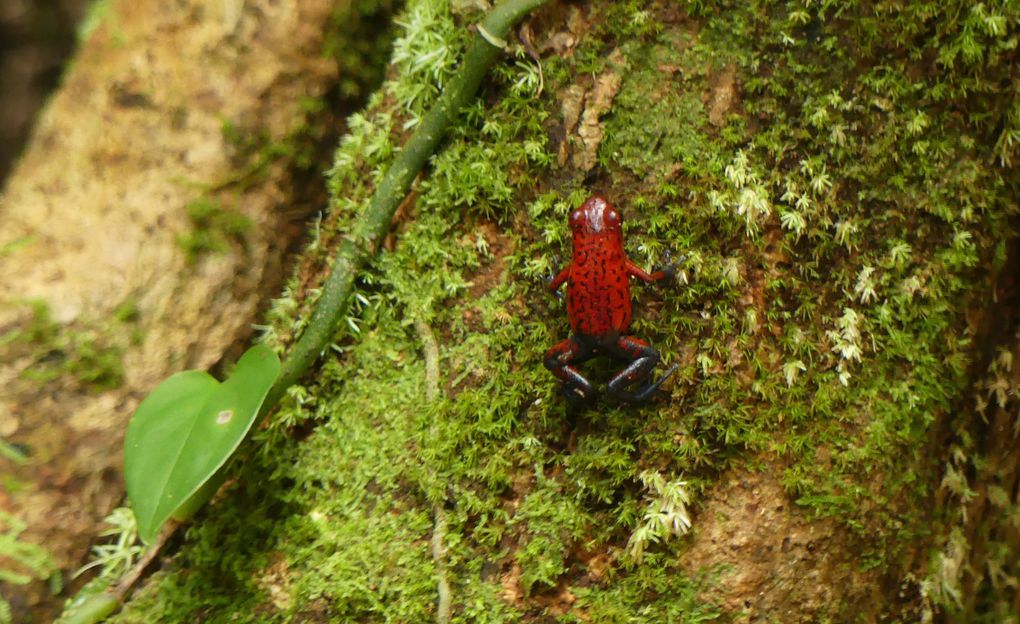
x=643, y=359
x=559, y=360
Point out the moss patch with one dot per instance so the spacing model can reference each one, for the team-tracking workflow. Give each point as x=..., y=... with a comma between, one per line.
x=90, y=356
x=213, y=229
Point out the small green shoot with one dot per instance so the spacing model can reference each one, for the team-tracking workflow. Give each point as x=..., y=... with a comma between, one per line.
x=666, y=514
x=116, y=558
x=185, y=431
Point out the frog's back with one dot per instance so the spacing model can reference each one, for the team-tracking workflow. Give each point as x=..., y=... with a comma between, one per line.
x=598, y=294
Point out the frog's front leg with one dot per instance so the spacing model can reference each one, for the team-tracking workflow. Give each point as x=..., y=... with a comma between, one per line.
x=559, y=360
x=554, y=283
x=643, y=359
x=666, y=272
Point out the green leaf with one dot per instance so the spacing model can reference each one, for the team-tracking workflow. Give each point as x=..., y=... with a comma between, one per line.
x=184, y=432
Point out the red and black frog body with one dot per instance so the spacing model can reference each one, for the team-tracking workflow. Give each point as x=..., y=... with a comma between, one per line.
x=599, y=308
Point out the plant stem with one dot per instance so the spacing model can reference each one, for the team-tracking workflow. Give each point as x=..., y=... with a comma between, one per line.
x=128, y=581
x=444, y=601
x=98, y=607
x=372, y=225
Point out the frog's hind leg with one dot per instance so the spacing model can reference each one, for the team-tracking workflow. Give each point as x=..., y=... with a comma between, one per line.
x=643, y=359
x=559, y=360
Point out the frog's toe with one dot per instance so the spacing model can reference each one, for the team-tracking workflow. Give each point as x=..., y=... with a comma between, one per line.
x=646, y=393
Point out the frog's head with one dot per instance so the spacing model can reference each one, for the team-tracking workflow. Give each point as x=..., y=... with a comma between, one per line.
x=597, y=217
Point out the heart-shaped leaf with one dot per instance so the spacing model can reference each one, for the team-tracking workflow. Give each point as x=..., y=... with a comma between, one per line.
x=185, y=430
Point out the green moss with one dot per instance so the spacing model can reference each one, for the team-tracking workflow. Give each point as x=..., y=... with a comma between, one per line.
x=96, y=15
x=658, y=591
x=835, y=228
x=15, y=245
x=655, y=121
x=359, y=40
x=23, y=561
x=89, y=356
x=214, y=228
x=127, y=311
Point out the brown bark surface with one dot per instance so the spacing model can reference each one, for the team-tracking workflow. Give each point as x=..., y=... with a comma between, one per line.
x=91, y=219
x=776, y=562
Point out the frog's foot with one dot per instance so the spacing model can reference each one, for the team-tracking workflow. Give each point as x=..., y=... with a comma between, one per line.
x=646, y=393
x=670, y=267
x=576, y=389
x=643, y=359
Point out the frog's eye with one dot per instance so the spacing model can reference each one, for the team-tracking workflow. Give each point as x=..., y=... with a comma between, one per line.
x=614, y=218
x=575, y=218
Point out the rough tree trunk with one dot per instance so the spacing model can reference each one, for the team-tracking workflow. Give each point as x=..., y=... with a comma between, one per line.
x=838, y=180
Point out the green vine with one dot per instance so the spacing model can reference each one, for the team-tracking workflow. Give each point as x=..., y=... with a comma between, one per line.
x=375, y=221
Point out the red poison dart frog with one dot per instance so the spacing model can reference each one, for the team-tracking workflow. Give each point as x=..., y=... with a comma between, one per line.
x=598, y=306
